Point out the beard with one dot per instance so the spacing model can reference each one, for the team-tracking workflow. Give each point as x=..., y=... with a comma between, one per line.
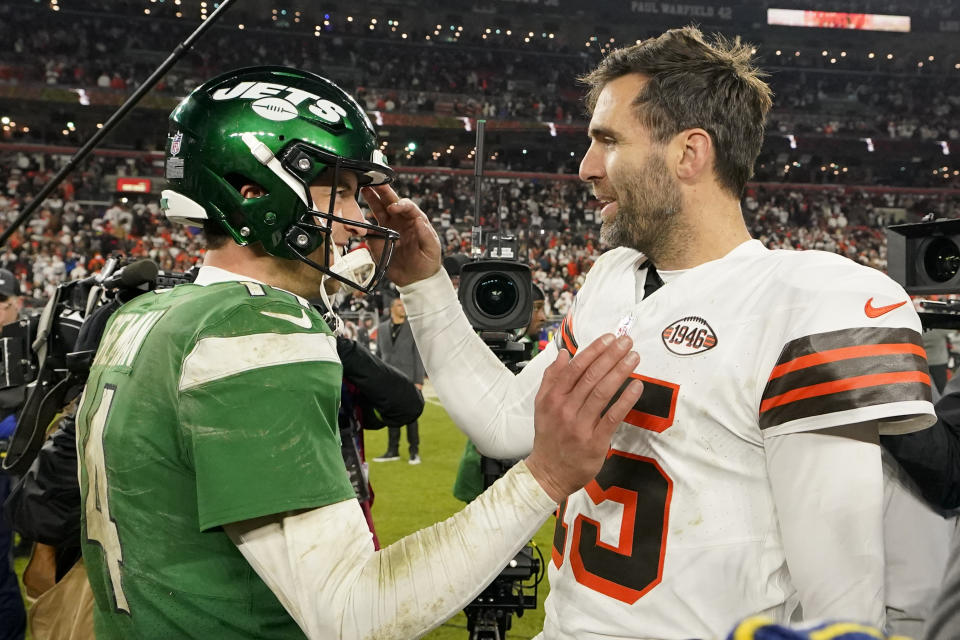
x=647, y=204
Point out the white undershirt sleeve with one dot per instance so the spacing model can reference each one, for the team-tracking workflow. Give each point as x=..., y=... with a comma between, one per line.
x=486, y=401
x=323, y=568
x=828, y=490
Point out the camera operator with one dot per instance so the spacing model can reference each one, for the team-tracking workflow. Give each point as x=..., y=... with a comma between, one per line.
x=12, y=611
x=538, y=318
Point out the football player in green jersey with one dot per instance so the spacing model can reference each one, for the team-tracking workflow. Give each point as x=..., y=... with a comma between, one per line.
x=215, y=500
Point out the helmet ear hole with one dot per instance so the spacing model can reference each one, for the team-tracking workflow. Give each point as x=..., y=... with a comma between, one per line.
x=238, y=181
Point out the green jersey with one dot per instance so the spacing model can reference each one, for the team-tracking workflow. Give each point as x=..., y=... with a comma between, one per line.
x=205, y=405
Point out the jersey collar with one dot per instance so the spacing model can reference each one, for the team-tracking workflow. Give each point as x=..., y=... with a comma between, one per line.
x=215, y=275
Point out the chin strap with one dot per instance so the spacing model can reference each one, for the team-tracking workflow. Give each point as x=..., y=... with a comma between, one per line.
x=357, y=266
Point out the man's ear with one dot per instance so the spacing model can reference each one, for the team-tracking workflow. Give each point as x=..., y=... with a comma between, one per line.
x=696, y=148
x=252, y=191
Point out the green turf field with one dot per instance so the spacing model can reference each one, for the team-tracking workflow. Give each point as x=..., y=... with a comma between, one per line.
x=412, y=497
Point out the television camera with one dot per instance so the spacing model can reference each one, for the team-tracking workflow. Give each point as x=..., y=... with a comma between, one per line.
x=924, y=258
x=496, y=293
x=45, y=358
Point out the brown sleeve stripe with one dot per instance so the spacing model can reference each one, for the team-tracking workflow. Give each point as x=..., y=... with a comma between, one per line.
x=841, y=370
x=845, y=400
x=830, y=340
x=845, y=353
x=847, y=384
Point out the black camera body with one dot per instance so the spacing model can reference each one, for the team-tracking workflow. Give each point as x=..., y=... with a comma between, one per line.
x=924, y=257
x=496, y=289
x=496, y=294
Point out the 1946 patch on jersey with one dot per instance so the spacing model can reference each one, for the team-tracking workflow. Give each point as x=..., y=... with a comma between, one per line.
x=689, y=336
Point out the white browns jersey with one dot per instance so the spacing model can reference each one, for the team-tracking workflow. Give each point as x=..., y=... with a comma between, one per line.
x=677, y=537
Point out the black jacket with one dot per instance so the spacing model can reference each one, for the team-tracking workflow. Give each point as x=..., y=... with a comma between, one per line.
x=932, y=456
x=390, y=399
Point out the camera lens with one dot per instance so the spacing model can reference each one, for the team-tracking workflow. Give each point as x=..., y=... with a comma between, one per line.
x=496, y=295
x=941, y=260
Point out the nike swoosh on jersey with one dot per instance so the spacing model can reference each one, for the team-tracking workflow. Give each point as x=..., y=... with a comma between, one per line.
x=302, y=321
x=876, y=312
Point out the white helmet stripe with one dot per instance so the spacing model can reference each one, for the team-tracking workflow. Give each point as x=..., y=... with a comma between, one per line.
x=265, y=157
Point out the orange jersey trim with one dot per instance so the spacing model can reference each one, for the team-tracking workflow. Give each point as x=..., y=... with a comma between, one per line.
x=845, y=353
x=847, y=384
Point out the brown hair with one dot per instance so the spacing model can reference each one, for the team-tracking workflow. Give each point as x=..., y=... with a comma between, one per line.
x=214, y=235
x=695, y=83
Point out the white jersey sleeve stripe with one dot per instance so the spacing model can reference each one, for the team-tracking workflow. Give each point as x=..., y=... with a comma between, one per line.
x=215, y=358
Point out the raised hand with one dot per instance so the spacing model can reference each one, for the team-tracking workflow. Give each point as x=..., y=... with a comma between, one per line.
x=572, y=430
x=417, y=253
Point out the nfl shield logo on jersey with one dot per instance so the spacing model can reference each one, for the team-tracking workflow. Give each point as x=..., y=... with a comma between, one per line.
x=689, y=336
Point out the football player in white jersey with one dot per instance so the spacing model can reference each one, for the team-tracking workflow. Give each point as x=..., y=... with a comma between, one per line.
x=747, y=478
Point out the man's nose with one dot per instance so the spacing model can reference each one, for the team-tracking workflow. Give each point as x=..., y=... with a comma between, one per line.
x=591, y=166
x=352, y=212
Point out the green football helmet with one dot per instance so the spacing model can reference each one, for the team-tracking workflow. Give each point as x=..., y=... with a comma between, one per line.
x=278, y=128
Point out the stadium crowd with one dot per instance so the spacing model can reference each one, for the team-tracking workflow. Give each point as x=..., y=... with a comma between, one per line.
x=78, y=50
x=557, y=227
